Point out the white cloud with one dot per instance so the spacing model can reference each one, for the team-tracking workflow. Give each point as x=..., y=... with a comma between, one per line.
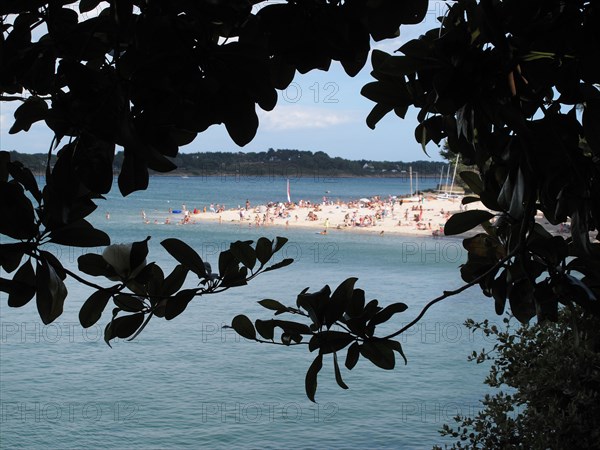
x=285, y=118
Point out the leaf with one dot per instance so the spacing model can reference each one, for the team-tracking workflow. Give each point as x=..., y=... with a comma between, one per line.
x=338, y=375
x=241, y=121
x=140, y=329
x=521, y=302
x=54, y=262
x=279, y=265
x=185, y=255
x=465, y=221
x=50, y=293
x=174, y=280
x=235, y=279
x=355, y=307
x=339, y=301
x=422, y=138
x=22, y=286
x=401, y=111
x=149, y=280
x=579, y=289
x=244, y=253
x=590, y=121
x=516, y=202
x=352, y=356
x=227, y=263
x=292, y=327
x=395, y=345
x=385, y=93
x=329, y=341
x=4, y=161
x=95, y=265
x=371, y=309
x=79, y=234
x=16, y=211
x=134, y=173
x=282, y=73
x=243, y=326
x=263, y=250
x=139, y=251
x=31, y=110
x=379, y=354
x=310, y=381
x=92, y=309
x=123, y=327
x=473, y=180
x=266, y=328
x=11, y=256
x=314, y=303
x=470, y=199
x=377, y=113
x=499, y=292
x=178, y=303
x=24, y=176
x=273, y=305
x=386, y=313
x=128, y=303
x=278, y=244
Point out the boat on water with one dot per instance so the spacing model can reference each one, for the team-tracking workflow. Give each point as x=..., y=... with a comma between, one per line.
x=413, y=196
x=449, y=194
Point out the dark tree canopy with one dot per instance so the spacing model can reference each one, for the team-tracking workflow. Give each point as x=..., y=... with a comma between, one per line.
x=513, y=86
x=502, y=81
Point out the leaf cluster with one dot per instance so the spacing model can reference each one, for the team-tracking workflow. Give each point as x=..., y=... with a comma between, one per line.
x=546, y=386
x=514, y=90
x=150, y=293
x=150, y=76
x=33, y=217
x=336, y=320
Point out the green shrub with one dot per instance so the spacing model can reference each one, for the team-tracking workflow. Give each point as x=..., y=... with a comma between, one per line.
x=547, y=378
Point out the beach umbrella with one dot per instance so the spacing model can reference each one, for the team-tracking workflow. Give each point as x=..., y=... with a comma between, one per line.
x=365, y=200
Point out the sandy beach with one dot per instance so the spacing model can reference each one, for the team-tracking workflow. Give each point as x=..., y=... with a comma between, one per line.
x=425, y=217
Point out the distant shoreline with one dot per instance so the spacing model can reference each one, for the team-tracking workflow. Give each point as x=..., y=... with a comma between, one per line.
x=309, y=175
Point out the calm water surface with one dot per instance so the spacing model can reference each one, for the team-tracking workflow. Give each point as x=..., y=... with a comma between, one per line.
x=188, y=383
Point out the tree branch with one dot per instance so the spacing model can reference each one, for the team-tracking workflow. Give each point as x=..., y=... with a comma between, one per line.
x=447, y=294
x=11, y=98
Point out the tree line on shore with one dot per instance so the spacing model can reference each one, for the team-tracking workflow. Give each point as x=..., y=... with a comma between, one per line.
x=269, y=163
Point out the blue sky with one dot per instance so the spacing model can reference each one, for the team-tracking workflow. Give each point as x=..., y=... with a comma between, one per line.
x=319, y=111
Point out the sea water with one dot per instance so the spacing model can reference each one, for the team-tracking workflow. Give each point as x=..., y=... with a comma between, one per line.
x=189, y=383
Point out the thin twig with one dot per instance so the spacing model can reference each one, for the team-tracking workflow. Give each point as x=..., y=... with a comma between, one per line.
x=11, y=98
x=447, y=294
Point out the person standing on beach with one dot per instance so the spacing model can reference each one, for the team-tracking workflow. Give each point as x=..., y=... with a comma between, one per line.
x=247, y=204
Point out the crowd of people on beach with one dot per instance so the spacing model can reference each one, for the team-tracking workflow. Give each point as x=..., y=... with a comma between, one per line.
x=363, y=213
x=415, y=215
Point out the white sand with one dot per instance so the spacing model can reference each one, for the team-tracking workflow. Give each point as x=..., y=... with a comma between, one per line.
x=376, y=217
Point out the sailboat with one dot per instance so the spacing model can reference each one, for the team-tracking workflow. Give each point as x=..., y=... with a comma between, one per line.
x=448, y=194
x=412, y=197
